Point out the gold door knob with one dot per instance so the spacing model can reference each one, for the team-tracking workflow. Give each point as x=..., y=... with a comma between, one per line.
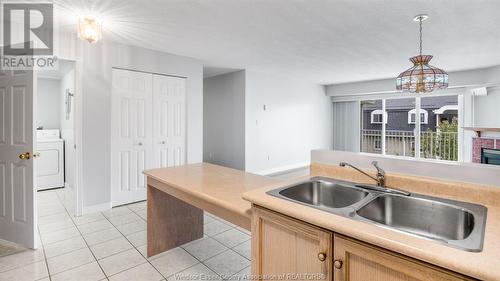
x=322, y=256
x=25, y=156
x=337, y=264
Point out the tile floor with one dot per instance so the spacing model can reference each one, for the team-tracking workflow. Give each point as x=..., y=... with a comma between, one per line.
x=111, y=245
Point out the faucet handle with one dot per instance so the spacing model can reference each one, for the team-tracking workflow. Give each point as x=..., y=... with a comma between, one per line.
x=379, y=170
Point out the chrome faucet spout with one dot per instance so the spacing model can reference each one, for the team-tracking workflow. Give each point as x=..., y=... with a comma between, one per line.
x=380, y=179
x=343, y=164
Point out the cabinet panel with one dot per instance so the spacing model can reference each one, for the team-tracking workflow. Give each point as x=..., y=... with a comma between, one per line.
x=357, y=261
x=284, y=248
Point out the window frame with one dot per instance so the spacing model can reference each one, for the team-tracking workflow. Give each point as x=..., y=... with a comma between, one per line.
x=378, y=112
x=413, y=112
x=417, y=129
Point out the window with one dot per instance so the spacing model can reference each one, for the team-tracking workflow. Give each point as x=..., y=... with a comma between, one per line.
x=388, y=127
x=377, y=117
x=371, y=131
x=424, y=116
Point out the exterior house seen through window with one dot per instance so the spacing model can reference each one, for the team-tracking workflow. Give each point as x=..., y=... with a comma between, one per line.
x=435, y=137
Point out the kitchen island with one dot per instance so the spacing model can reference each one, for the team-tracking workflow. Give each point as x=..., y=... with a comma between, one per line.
x=286, y=234
x=177, y=197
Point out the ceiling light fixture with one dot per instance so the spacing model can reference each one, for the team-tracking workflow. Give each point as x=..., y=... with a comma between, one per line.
x=422, y=77
x=89, y=29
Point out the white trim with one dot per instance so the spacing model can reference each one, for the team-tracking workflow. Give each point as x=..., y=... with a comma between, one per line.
x=378, y=112
x=414, y=112
x=96, y=208
x=444, y=108
x=281, y=169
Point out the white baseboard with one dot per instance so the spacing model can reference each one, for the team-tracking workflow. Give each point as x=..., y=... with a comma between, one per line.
x=96, y=208
x=282, y=169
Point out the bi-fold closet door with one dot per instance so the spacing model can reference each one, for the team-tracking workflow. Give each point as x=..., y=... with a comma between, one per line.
x=148, y=124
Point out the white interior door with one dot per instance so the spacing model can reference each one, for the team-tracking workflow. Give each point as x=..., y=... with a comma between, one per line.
x=169, y=120
x=17, y=192
x=131, y=135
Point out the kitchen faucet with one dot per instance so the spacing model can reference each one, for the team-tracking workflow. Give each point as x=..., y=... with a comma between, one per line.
x=380, y=179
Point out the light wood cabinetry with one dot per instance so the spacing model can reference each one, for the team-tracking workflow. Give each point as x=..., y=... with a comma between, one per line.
x=357, y=261
x=284, y=248
x=283, y=245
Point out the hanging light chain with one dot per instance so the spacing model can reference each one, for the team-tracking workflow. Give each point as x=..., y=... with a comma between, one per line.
x=420, y=46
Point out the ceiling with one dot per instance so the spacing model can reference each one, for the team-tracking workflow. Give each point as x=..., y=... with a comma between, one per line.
x=324, y=41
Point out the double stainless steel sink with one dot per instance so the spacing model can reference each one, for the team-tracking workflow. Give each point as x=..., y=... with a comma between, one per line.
x=454, y=223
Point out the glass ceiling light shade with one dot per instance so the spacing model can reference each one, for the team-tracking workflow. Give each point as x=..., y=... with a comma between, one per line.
x=422, y=77
x=89, y=29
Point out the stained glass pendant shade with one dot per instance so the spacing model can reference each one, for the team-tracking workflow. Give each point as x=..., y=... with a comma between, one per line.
x=422, y=77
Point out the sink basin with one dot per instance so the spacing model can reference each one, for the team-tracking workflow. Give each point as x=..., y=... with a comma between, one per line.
x=454, y=223
x=324, y=193
x=458, y=224
x=420, y=216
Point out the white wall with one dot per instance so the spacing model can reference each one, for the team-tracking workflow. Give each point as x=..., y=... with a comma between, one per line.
x=486, y=109
x=97, y=60
x=48, y=113
x=297, y=118
x=224, y=120
x=68, y=134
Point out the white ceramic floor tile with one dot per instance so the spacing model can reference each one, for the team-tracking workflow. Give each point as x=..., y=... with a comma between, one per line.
x=122, y=261
x=110, y=247
x=143, y=250
x=87, y=272
x=119, y=220
x=227, y=263
x=143, y=272
x=20, y=259
x=138, y=239
x=231, y=237
x=55, y=226
x=138, y=206
x=244, y=274
x=247, y=232
x=173, y=261
x=102, y=236
x=132, y=227
x=88, y=218
x=65, y=246
x=53, y=218
x=33, y=271
x=59, y=235
x=207, y=218
x=70, y=260
x=143, y=214
x=244, y=249
x=204, y=248
x=198, y=272
x=215, y=228
x=94, y=226
x=51, y=210
x=118, y=211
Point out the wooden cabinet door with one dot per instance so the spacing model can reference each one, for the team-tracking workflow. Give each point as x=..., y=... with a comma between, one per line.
x=287, y=249
x=357, y=261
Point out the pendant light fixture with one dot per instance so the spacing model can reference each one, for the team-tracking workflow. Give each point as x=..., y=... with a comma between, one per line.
x=90, y=29
x=422, y=77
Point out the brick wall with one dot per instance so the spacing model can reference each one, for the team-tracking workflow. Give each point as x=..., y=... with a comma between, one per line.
x=478, y=143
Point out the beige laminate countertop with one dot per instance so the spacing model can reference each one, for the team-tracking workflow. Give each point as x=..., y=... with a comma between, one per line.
x=231, y=191
x=483, y=265
x=219, y=188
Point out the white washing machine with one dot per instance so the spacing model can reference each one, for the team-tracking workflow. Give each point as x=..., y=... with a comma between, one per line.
x=50, y=163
